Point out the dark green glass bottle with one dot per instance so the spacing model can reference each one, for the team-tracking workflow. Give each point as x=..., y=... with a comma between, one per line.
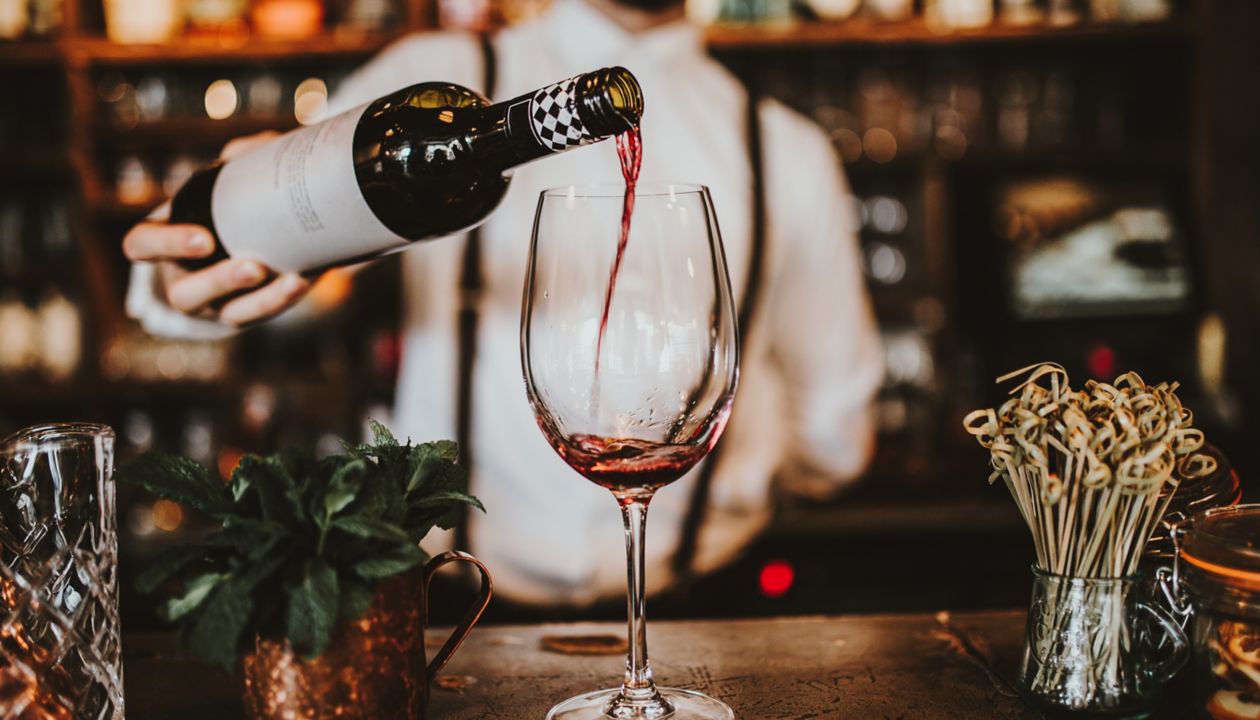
x=426, y=161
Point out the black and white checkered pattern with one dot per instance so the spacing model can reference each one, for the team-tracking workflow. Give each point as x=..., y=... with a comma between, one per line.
x=555, y=119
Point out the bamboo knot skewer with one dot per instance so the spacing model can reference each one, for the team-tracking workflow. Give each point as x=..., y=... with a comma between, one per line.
x=1093, y=470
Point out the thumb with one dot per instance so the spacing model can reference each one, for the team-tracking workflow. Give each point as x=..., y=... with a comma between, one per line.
x=239, y=145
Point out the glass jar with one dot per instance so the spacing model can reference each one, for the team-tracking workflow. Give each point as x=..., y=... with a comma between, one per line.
x=1220, y=570
x=1219, y=489
x=1095, y=647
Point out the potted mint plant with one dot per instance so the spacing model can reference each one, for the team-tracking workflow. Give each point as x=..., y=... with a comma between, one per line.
x=314, y=584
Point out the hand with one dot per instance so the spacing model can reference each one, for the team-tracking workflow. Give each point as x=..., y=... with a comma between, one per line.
x=238, y=292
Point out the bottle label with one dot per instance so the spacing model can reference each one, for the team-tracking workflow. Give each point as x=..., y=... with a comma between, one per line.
x=294, y=203
x=554, y=118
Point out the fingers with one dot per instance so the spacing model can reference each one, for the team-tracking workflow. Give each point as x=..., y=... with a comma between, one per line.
x=227, y=280
x=197, y=290
x=161, y=213
x=151, y=242
x=236, y=146
x=274, y=298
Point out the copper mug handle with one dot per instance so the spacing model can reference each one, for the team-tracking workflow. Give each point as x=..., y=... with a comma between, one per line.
x=474, y=613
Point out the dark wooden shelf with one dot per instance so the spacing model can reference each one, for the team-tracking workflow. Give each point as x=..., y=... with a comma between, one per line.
x=112, y=209
x=185, y=131
x=35, y=161
x=31, y=390
x=863, y=31
x=995, y=514
x=1155, y=156
x=34, y=391
x=29, y=52
x=98, y=50
x=1140, y=155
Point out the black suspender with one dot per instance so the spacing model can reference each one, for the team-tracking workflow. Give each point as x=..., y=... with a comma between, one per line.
x=470, y=285
x=693, y=521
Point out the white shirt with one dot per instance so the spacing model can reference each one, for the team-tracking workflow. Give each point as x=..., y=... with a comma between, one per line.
x=810, y=365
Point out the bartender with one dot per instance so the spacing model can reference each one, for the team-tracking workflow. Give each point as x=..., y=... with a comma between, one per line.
x=811, y=359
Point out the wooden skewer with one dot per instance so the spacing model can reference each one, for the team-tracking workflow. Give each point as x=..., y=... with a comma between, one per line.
x=1091, y=472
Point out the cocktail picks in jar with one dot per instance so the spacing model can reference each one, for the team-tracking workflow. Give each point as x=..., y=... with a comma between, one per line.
x=1086, y=467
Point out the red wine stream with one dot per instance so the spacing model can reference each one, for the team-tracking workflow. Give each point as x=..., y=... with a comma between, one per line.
x=630, y=152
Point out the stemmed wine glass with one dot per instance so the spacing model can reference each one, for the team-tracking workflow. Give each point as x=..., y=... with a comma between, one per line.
x=637, y=408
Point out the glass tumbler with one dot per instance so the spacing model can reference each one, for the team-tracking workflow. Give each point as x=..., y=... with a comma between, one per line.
x=1096, y=648
x=59, y=637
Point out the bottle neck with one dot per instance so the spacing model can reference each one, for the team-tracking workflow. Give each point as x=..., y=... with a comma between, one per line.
x=559, y=117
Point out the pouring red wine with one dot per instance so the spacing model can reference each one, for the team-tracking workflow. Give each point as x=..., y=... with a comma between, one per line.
x=660, y=398
x=630, y=153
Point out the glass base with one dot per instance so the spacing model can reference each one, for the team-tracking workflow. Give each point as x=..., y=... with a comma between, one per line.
x=687, y=705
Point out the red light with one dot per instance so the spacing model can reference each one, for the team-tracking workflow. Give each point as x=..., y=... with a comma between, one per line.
x=1101, y=360
x=776, y=578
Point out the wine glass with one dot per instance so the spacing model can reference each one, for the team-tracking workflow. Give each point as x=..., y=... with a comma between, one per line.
x=637, y=408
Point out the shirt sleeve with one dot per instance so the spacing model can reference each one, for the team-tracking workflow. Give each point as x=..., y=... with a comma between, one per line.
x=157, y=318
x=435, y=56
x=824, y=337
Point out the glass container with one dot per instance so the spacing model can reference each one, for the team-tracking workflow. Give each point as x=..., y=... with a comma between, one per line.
x=1096, y=648
x=1220, y=571
x=1221, y=488
x=59, y=639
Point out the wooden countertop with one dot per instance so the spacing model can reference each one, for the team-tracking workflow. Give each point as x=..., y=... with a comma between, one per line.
x=936, y=667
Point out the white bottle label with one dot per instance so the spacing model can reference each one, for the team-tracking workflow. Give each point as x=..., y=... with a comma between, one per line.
x=294, y=204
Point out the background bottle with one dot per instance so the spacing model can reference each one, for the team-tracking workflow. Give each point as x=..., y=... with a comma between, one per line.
x=426, y=161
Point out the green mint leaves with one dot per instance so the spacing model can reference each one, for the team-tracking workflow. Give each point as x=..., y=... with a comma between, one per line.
x=303, y=541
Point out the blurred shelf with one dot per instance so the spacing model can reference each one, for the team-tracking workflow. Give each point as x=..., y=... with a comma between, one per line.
x=29, y=52
x=880, y=514
x=184, y=131
x=1150, y=155
x=33, y=277
x=32, y=390
x=194, y=49
x=95, y=49
x=864, y=31
x=35, y=161
x=112, y=209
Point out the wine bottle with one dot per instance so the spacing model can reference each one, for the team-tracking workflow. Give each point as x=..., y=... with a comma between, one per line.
x=426, y=161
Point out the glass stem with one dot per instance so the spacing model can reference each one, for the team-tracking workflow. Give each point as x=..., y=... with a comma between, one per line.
x=638, y=698
x=638, y=670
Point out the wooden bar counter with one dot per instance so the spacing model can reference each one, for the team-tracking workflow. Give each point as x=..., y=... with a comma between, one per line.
x=904, y=667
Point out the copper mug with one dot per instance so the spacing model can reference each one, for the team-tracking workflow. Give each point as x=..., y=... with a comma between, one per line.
x=374, y=667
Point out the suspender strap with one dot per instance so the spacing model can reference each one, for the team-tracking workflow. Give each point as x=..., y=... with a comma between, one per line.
x=489, y=67
x=693, y=521
x=470, y=284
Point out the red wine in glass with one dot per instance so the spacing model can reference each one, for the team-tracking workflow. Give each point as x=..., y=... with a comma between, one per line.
x=627, y=466
x=630, y=152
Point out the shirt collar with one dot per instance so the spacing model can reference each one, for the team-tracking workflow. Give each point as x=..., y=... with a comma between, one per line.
x=585, y=39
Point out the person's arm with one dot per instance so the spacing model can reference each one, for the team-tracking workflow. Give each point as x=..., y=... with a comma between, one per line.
x=170, y=301
x=425, y=57
x=824, y=337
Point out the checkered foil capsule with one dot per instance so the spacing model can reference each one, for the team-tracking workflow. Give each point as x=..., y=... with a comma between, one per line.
x=555, y=119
